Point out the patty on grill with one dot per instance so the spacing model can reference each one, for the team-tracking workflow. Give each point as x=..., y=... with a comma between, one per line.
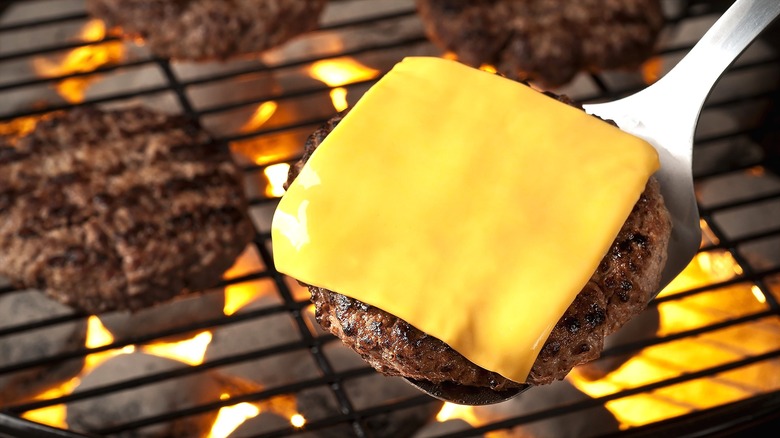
x=118, y=209
x=620, y=288
x=209, y=29
x=547, y=41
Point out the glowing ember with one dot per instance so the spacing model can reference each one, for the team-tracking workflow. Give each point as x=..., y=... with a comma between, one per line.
x=230, y=417
x=189, y=351
x=452, y=411
x=238, y=295
x=297, y=420
x=652, y=69
x=488, y=68
x=338, y=72
x=277, y=176
x=760, y=297
x=81, y=60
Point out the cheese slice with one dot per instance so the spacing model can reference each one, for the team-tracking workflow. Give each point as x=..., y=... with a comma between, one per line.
x=469, y=205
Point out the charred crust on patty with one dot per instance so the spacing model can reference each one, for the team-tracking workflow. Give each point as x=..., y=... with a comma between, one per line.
x=621, y=287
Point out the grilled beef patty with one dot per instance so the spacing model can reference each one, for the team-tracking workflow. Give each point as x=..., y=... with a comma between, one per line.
x=619, y=289
x=118, y=210
x=209, y=29
x=547, y=41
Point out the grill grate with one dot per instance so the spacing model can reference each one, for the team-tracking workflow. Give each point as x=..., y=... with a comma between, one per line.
x=736, y=184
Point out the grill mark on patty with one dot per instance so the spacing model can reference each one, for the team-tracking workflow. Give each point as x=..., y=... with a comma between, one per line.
x=10, y=154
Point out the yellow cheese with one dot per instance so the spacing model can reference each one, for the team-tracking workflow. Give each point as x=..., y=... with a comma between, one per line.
x=471, y=206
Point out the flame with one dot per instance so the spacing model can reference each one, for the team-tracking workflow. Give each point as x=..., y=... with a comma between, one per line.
x=652, y=69
x=277, y=176
x=452, y=411
x=189, y=351
x=19, y=126
x=339, y=98
x=97, y=336
x=230, y=417
x=81, y=60
x=671, y=359
x=338, y=72
x=488, y=68
x=297, y=420
x=261, y=115
x=238, y=295
x=760, y=297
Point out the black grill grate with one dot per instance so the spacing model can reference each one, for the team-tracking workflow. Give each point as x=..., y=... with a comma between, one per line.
x=729, y=153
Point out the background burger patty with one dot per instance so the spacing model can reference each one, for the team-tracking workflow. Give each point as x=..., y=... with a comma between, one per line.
x=545, y=40
x=619, y=289
x=116, y=210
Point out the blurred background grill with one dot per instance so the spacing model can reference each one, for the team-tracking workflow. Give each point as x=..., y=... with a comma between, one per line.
x=705, y=358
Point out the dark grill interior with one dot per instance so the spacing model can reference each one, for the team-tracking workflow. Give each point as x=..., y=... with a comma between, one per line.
x=712, y=364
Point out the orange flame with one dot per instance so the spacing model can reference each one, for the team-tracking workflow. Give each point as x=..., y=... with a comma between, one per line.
x=189, y=351
x=452, y=411
x=668, y=360
x=652, y=69
x=238, y=295
x=261, y=115
x=338, y=72
x=81, y=60
x=19, y=126
x=230, y=417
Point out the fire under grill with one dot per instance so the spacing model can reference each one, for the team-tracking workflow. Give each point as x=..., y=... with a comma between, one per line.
x=247, y=359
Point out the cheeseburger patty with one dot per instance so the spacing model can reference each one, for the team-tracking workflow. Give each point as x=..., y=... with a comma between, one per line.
x=209, y=29
x=108, y=210
x=548, y=41
x=620, y=288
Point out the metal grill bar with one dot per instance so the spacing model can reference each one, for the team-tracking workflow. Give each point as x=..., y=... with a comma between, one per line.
x=335, y=380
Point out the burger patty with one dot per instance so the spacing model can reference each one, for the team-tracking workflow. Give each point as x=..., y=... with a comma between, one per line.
x=621, y=287
x=548, y=41
x=119, y=209
x=209, y=29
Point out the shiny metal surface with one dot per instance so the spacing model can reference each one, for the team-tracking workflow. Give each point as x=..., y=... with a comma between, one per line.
x=666, y=113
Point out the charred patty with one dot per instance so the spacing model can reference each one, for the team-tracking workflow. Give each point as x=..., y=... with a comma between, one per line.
x=620, y=288
x=547, y=41
x=209, y=29
x=118, y=209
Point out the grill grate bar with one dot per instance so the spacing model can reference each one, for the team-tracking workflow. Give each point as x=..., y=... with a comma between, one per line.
x=739, y=203
x=53, y=79
x=751, y=237
x=200, y=409
x=43, y=22
x=322, y=362
x=73, y=317
x=600, y=401
x=197, y=369
x=636, y=346
x=747, y=268
x=52, y=49
x=211, y=323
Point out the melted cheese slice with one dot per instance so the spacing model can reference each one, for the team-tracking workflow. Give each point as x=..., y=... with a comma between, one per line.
x=469, y=205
